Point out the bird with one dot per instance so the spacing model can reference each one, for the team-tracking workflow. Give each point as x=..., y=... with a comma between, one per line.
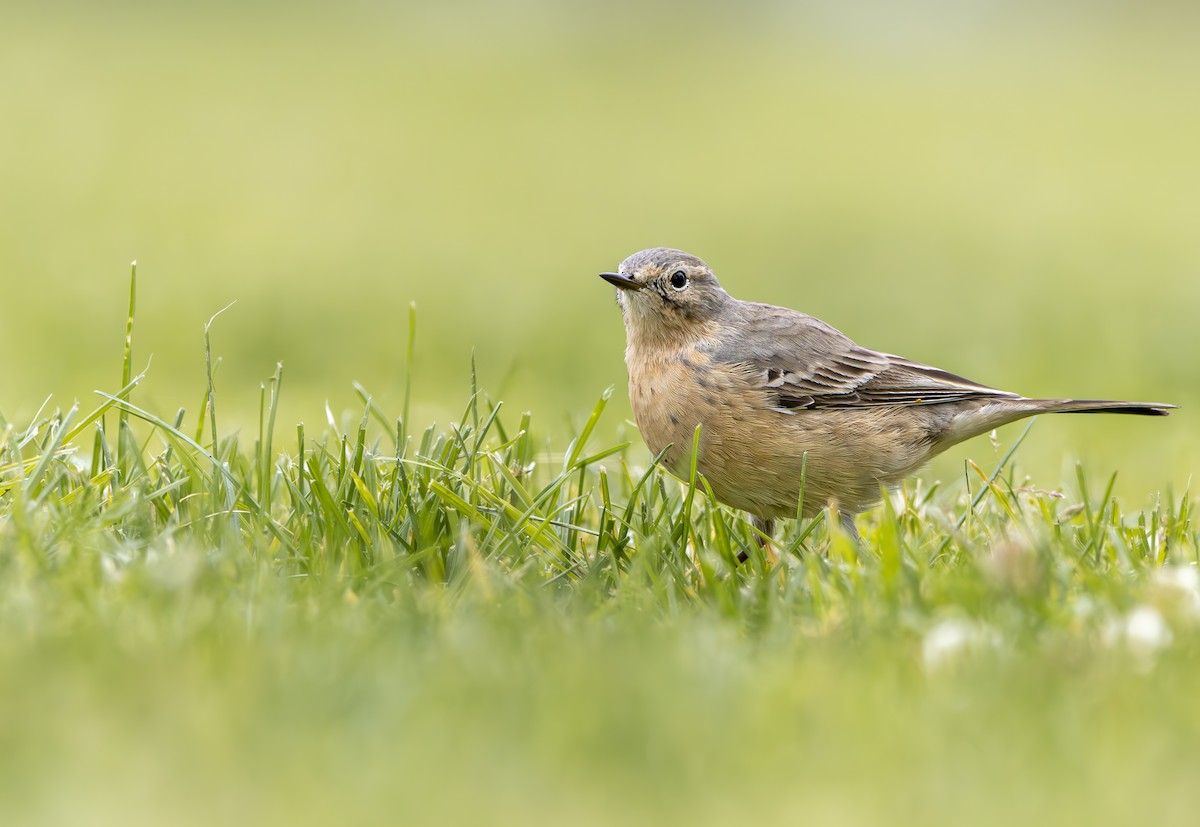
x=794, y=417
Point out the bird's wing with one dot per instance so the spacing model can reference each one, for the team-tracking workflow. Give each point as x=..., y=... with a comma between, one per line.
x=805, y=364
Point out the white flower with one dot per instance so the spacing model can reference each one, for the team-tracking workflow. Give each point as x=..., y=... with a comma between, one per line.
x=1143, y=632
x=1183, y=584
x=948, y=639
x=1146, y=631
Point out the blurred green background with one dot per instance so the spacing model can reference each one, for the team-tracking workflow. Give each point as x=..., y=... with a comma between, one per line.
x=1006, y=190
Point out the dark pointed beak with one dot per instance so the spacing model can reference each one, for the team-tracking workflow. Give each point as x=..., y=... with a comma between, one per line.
x=624, y=282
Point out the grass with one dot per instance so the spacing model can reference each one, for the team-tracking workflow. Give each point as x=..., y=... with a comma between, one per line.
x=385, y=624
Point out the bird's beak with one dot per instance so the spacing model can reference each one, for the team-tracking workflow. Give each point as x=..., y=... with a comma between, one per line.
x=624, y=282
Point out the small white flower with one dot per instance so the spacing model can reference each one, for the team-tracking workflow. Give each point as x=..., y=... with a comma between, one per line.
x=1183, y=583
x=948, y=639
x=1142, y=632
x=1146, y=631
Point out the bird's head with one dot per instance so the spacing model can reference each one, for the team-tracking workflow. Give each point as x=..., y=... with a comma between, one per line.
x=661, y=291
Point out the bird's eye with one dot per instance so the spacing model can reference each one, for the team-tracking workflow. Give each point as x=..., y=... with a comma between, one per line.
x=679, y=279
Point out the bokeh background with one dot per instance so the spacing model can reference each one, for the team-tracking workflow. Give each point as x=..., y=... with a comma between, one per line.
x=1010, y=190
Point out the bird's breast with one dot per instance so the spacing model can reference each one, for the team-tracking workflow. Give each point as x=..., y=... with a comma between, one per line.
x=673, y=393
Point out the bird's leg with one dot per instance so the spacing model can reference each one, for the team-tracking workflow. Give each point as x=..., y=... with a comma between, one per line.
x=845, y=521
x=767, y=527
x=850, y=528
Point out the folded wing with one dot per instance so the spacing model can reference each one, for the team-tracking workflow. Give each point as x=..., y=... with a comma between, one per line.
x=806, y=364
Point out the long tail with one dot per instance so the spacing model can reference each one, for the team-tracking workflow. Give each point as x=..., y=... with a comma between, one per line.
x=1001, y=410
x=1100, y=406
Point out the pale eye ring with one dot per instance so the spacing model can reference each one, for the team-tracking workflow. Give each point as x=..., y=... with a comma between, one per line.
x=679, y=280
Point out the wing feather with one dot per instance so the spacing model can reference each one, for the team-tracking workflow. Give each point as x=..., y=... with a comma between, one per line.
x=806, y=364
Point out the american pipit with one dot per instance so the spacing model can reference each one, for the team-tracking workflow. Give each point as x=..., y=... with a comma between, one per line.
x=784, y=401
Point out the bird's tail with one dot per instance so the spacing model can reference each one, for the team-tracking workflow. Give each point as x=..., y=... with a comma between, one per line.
x=999, y=411
x=1099, y=406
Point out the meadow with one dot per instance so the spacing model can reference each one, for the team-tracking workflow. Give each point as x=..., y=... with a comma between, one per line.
x=320, y=556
